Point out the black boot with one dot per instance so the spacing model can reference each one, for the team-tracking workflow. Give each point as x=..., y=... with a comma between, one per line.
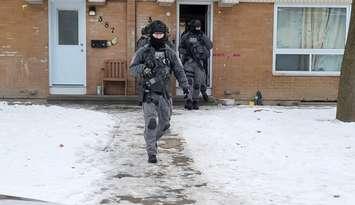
x=204, y=93
x=152, y=158
x=195, y=105
x=188, y=104
x=205, y=96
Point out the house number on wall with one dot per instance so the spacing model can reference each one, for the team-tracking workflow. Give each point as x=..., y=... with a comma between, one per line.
x=106, y=24
x=114, y=41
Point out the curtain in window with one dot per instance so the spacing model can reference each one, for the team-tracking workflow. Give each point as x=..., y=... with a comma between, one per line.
x=326, y=62
x=311, y=28
x=314, y=24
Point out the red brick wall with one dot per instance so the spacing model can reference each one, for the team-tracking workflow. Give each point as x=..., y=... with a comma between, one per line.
x=23, y=50
x=243, y=39
x=243, y=45
x=131, y=38
x=114, y=12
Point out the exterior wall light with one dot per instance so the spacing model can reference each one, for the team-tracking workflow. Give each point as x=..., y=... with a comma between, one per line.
x=92, y=11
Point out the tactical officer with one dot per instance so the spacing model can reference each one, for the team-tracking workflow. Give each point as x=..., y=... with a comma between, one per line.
x=144, y=39
x=155, y=62
x=195, y=49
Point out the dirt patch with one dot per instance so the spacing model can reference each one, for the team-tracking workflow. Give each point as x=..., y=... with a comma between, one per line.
x=169, y=143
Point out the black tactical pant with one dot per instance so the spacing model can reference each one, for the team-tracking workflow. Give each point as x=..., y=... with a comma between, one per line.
x=196, y=77
x=157, y=113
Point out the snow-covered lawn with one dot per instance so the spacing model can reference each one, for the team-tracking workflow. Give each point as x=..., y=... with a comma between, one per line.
x=274, y=155
x=250, y=156
x=48, y=152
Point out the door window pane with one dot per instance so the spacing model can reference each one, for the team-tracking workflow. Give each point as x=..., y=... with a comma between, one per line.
x=326, y=62
x=68, y=29
x=291, y=62
x=311, y=28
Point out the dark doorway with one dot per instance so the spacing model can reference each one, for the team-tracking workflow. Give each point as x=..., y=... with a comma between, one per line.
x=189, y=12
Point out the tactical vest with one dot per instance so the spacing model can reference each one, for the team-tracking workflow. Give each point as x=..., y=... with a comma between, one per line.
x=160, y=81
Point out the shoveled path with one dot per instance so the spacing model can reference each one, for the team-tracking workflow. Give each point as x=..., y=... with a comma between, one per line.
x=173, y=180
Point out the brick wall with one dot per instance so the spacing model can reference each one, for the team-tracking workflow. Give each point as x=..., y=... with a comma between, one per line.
x=23, y=50
x=243, y=40
x=125, y=16
x=115, y=13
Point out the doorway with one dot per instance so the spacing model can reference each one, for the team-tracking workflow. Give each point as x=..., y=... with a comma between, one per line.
x=202, y=10
x=67, y=47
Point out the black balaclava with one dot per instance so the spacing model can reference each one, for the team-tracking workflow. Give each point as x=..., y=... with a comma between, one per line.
x=195, y=24
x=158, y=26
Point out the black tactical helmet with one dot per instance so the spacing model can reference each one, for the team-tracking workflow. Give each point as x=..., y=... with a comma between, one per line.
x=145, y=30
x=194, y=24
x=157, y=26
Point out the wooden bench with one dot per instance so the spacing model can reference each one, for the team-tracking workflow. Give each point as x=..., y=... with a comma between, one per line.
x=115, y=71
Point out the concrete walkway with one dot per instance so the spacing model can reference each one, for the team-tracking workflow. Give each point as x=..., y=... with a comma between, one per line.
x=174, y=180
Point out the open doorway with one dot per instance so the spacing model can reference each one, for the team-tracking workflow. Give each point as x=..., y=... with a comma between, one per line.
x=187, y=11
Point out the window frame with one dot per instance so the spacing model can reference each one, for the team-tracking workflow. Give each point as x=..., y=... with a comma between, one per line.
x=309, y=52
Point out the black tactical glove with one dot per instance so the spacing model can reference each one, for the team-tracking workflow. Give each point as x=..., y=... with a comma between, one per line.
x=186, y=91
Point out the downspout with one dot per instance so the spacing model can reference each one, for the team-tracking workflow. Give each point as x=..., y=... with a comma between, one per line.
x=131, y=39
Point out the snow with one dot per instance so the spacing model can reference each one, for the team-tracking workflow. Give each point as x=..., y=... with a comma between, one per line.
x=233, y=155
x=274, y=155
x=48, y=152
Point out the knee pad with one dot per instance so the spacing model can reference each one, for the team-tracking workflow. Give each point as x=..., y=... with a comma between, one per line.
x=197, y=86
x=152, y=124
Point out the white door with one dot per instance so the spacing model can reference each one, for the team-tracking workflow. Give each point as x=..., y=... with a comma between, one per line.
x=68, y=63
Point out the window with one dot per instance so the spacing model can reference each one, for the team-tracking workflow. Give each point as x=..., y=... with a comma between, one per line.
x=68, y=27
x=309, y=40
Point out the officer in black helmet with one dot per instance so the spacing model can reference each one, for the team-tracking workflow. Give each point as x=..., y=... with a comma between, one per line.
x=195, y=49
x=144, y=39
x=155, y=62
